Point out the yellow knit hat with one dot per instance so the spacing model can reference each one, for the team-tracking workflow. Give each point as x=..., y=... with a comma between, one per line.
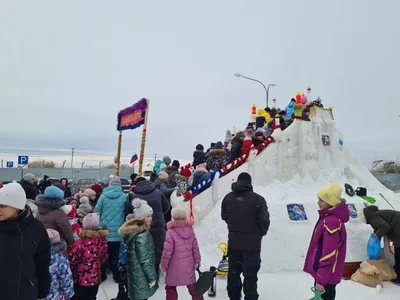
x=331, y=194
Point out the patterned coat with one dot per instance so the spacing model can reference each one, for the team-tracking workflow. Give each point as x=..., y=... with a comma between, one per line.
x=90, y=252
x=111, y=208
x=141, y=261
x=62, y=284
x=217, y=159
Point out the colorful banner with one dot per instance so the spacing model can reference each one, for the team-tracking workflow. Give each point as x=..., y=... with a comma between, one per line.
x=132, y=117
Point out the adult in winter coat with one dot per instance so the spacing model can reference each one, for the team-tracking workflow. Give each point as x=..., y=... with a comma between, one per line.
x=290, y=108
x=327, y=251
x=28, y=184
x=172, y=171
x=44, y=183
x=217, y=158
x=50, y=214
x=62, y=285
x=141, y=271
x=181, y=255
x=111, y=208
x=385, y=222
x=200, y=175
x=146, y=190
x=247, y=217
x=161, y=184
x=67, y=193
x=24, y=250
x=199, y=157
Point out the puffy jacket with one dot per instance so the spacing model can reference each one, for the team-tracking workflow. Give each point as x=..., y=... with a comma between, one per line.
x=111, y=208
x=384, y=222
x=24, y=258
x=217, y=159
x=89, y=253
x=327, y=251
x=62, y=284
x=246, y=214
x=199, y=157
x=52, y=217
x=30, y=190
x=181, y=253
x=146, y=190
x=141, y=264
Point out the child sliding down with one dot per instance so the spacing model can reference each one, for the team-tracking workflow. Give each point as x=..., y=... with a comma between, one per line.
x=181, y=255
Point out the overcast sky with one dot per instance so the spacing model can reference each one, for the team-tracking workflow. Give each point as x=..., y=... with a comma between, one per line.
x=68, y=67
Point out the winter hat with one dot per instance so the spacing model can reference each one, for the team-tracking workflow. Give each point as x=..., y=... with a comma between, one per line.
x=186, y=172
x=91, y=221
x=167, y=160
x=54, y=236
x=176, y=163
x=245, y=177
x=85, y=205
x=258, y=133
x=29, y=176
x=141, y=209
x=133, y=176
x=53, y=192
x=70, y=211
x=203, y=166
x=178, y=214
x=370, y=210
x=59, y=185
x=97, y=188
x=218, y=145
x=331, y=195
x=13, y=195
x=200, y=147
x=89, y=193
x=115, y=181
x=163, y=175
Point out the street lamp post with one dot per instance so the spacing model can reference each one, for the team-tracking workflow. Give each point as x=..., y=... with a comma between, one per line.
x=265, y=88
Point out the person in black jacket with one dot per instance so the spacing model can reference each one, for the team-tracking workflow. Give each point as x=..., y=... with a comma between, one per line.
x=24, y=250
x=246, y=214
x=67, y=192
x=147, y=191
x=28, y=184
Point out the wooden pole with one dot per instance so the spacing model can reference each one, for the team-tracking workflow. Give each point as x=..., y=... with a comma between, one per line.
x=143, y=144
x=118, y=163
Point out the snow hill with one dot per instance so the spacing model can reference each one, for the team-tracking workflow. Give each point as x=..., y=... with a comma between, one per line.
x=291, y=171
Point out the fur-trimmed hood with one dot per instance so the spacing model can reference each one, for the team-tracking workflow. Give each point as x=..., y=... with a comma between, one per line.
x=132, y=227
x=49, y=203
x=180, y=177
x=200, y=170
x=184, y=228
x=59, y=248
x=217, y=152
x=171, y=169
x=91, y=233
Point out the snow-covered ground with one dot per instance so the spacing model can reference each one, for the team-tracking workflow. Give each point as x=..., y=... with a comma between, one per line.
x=290, y=171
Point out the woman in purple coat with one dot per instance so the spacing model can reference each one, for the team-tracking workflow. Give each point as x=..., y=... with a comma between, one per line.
x=181, y=255
x=327, y=251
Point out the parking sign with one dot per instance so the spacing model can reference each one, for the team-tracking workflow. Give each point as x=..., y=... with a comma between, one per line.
x=10, y=164
x=23, y=160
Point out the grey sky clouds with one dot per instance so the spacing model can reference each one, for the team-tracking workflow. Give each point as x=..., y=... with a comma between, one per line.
x=67, y=68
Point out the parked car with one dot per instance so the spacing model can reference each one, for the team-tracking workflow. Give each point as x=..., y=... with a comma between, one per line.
x=126, y=185
x=81, y=184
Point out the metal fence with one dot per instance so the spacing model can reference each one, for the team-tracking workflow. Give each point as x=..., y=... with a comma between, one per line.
x=98, y=174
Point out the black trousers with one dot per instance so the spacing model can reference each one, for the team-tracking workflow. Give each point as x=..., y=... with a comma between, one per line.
x=85, y=292
x=113, y=256
x=330, y=292
x=397, y=260
x=247, y=262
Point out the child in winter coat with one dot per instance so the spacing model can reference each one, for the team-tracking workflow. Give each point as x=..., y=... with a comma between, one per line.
x=141, y=260
x=89, y=253
x=62, y=284
x=84, y=209
x=181, y=255
x=327, y=251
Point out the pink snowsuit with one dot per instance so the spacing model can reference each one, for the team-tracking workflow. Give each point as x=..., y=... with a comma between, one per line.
x=327, y=251
x=181, y=254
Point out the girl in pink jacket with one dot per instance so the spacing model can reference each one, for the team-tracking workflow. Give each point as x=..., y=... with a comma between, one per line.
x=181, y=255
x=327, y=251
